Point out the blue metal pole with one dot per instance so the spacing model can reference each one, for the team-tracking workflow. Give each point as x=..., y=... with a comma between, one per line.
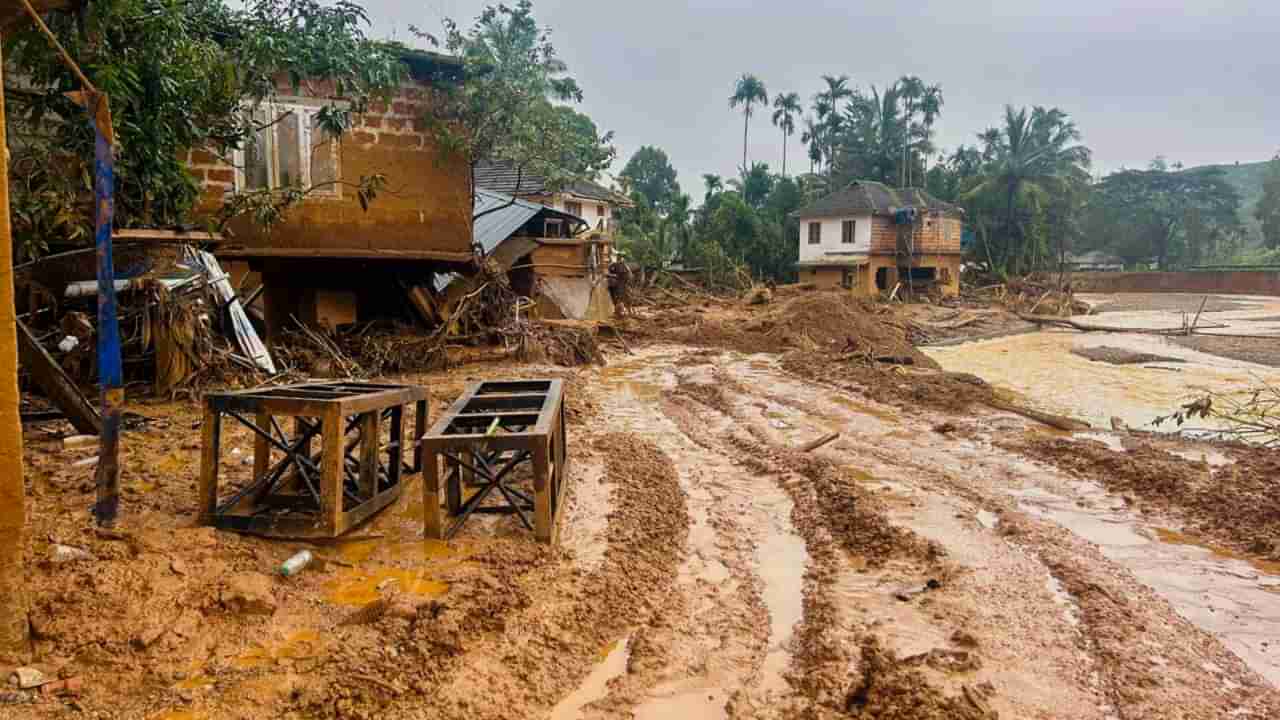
x=110, y=373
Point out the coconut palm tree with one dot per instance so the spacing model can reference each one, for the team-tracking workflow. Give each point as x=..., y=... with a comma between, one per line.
x=1036, y=153
x=786, y=108
x=747, y=92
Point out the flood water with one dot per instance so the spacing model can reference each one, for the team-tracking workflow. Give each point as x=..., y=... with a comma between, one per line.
x=1040, y=370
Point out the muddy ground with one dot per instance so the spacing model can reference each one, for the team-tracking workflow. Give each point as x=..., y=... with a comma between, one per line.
x=940, y=559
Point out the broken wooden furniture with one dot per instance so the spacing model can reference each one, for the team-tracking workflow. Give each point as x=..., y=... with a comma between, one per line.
x=493, y=428
x=295, y=492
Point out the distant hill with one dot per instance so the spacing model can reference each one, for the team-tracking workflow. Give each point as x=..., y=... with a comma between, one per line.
x=1247, y=180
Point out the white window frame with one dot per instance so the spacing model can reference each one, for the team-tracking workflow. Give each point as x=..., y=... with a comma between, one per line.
x=305, y=109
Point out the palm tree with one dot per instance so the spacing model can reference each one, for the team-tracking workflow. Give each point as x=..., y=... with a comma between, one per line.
x=1035, y=154
x=811, y=137
x=786, y=108
x=826, y=104
x=714, y=184
x=748, y=91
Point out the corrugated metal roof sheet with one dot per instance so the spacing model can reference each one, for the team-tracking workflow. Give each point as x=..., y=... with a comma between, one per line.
x=497, y=217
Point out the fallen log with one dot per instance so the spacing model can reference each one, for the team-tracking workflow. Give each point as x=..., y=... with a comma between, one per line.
x=1058, y=422
x=815, y=444
x=1085, y=327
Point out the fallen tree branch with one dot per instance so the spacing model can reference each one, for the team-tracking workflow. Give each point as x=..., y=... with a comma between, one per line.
x=815, y=444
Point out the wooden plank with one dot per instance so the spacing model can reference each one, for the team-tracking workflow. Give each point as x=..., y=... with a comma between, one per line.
x=543, y=521
x=56, y=384
x=261, y=448
x=331, y=463
x=433, y=522
x=344, y=253
x=369, y=453
x=211, y=431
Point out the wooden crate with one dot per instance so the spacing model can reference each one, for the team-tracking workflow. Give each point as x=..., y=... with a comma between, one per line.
x=491, y=429
x=295, y=492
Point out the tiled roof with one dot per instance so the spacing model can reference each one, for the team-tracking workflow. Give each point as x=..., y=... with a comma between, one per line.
x=503, y=176
x=867, y=196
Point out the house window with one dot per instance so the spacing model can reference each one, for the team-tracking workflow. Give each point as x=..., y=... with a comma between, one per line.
x=815, y=233
x=573, y=208
x=848, y=278
x=602, y=211
x=289, y=149
x=846, y=232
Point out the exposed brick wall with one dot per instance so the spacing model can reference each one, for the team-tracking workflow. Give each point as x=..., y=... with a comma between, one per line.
x=934, y=234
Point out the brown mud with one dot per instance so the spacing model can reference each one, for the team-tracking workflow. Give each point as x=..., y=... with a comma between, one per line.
x=937, y=560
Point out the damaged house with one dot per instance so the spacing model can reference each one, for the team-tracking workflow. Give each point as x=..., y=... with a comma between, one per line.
x=869, y=238
x=566, y=269
x=335, y=259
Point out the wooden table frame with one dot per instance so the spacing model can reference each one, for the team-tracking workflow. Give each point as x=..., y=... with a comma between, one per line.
x=493, y=427
x=305, y=494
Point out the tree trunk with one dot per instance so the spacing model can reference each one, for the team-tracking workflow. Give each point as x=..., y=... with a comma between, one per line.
x=1008, y=218
x=13, y=591
x=784, y=152
x=746, y=116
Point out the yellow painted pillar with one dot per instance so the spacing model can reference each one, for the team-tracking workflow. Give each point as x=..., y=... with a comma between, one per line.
x=13, y=515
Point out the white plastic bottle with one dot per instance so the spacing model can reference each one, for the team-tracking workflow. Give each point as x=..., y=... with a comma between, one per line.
x=294, y=565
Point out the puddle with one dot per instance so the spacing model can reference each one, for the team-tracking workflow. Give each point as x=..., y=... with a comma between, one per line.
x=1212, y=458
x=297, y=646
x=705, y=704
x=357, y=588
x=1220, y=592
x=613, y=663
x=782, y=559
x=1114, y=443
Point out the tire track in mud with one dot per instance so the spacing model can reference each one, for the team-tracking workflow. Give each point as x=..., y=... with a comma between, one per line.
x=1152, y=663
x=835, y=517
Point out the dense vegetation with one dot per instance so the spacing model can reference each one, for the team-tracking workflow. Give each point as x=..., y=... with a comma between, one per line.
x=1026, y=186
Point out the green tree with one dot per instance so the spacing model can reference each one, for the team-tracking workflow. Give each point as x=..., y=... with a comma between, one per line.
x=1157, y=203
x=1035, y=155
x=786, y=109
x=922, y=105
x=748, y=91
x=1268, y=209
x=830, y=122
x=513, y=103
x=714, y=184
x=754, y=185
x=649, y=173
x=179, y=76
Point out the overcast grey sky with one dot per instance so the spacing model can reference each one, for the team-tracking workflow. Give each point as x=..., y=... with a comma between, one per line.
x=1196, y=81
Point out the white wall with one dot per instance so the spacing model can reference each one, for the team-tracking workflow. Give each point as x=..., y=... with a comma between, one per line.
x=831, y=235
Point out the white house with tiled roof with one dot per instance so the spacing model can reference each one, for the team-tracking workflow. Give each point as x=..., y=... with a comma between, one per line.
x=596, y=204
x=869, y=238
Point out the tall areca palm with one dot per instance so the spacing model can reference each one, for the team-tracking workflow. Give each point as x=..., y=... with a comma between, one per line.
x=811, y=137
x=786, y=108
x=826, y=105
x=714, y=184
x=1035, y=153
x=924, y=101
x=746, y=93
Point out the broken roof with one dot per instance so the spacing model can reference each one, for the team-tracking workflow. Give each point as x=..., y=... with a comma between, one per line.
x=497, y=217
x=503, y=176
x=867, y=196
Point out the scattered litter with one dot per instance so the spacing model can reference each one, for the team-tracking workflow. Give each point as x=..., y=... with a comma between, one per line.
x=27, y=678
x=66, y=553
x=908, y=595
x=68, y=343
x=85, y=462
x=79, y=441
x=295, y=564
x=815, y=444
